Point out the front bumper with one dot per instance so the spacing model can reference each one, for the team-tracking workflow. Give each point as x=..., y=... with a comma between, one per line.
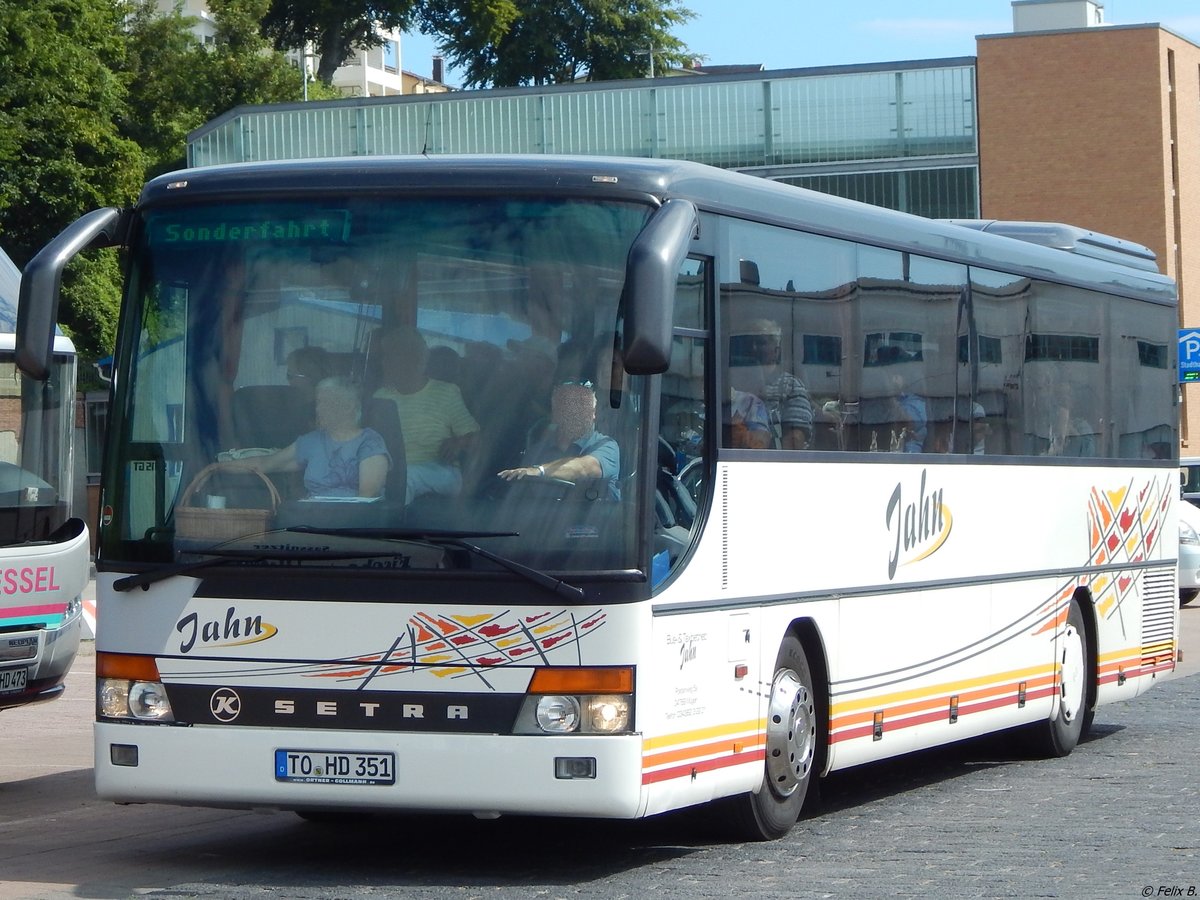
x=48, y=667
x=476, y=774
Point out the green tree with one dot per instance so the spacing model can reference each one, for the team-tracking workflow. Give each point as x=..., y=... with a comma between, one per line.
x=333, y=27
x=556, y=41
x=243, y=68
x=164, y=68
x=61, y=153
x=97, y=95
x=176, y=84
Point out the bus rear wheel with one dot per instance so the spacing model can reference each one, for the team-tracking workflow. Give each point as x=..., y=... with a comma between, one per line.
x=771, y=812
x=1059, y=735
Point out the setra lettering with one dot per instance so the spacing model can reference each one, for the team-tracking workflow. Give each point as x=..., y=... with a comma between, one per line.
x=366, y=709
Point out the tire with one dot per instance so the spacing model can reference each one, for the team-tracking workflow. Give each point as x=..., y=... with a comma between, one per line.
x=1059, y=735
x=792, y=717
x=1187, y=596
x=329, y=818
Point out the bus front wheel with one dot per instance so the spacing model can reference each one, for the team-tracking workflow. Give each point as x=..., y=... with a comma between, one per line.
x=771, y=812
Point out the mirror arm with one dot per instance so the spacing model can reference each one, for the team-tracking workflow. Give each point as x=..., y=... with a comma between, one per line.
x=41, y=282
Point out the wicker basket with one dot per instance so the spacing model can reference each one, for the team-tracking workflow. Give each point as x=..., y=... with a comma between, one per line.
x=199, y=523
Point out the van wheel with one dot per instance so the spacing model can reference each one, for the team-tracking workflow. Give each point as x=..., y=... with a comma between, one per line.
x=770, y=812
x=1058, y=736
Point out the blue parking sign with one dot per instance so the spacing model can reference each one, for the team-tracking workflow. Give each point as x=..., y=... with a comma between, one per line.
x=1189, y=355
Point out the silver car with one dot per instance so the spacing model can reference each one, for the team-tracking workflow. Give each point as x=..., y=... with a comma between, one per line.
x=1189, y=552
x=1189, y=477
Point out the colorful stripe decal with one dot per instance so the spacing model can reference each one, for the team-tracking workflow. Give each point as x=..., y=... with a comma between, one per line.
x=1136, y=662
x=919, y=707
x=706, y=765
x=855, y=719
x=844, y=707
x=687, y=753
x=38, y=612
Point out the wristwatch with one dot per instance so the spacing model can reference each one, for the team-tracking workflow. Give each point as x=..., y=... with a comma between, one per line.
x=542, y=471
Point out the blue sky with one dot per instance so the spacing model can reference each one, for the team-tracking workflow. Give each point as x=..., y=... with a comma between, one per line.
x=785, y=34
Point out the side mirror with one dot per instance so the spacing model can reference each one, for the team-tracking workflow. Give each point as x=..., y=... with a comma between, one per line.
x=42, y=279
x=651, y=273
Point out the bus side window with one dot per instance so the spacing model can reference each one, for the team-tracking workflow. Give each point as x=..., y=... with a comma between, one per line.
x=915, y=392
x=785, y=302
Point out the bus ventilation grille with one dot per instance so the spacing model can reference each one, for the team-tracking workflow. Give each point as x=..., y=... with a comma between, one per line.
x=1158, y=617
x=725, y=529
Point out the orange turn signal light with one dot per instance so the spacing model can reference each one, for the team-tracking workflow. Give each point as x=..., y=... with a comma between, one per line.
x=128, y=666
x=576, y=680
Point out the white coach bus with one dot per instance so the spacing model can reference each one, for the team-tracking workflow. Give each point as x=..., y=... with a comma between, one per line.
x=857, y=483
x=44, y=549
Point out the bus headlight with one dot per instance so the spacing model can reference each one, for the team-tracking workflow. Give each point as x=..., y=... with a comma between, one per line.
x=578, y=700
x=129, y=687
x=148, y=700
x=565, y=700
x=608, y=715
x=1187, y=534
x=558, y=715
x=119, y=698
x=112, y=698
x=565, y=714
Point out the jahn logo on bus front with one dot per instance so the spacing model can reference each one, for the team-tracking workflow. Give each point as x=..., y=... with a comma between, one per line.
x=234, y=631
x=918, y=525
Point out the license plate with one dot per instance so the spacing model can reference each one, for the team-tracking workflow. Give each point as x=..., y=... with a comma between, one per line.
x=13, y=680
x=334, y=767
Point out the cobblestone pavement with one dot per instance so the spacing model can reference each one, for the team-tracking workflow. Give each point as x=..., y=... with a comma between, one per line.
x=1116, y=819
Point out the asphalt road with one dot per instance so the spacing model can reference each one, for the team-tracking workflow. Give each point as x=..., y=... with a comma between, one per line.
x=1119, y=818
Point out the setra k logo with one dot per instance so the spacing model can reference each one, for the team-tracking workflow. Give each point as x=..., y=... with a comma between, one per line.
x=225, y=705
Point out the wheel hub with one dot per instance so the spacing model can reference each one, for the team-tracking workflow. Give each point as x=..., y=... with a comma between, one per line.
x=791, y=733
x=1071, y=673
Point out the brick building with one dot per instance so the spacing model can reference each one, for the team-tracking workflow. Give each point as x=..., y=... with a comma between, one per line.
x=1100, y=127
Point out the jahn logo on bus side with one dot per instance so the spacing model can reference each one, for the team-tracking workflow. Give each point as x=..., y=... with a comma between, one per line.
x=919, y=526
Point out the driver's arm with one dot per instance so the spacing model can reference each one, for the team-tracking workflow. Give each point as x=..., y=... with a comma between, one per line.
x=568, y=468
x=573, y=468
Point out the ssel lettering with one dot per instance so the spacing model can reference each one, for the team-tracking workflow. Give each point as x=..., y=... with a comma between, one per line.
x=918, y=525
x=233, y=630
x=29, y=580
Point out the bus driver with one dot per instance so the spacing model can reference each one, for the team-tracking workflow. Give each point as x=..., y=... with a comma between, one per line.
x=572, y=448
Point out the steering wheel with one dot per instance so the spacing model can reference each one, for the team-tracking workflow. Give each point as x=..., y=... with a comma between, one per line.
x=545, y=485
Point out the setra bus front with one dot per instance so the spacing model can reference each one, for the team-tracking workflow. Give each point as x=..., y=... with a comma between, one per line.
x=376, y=525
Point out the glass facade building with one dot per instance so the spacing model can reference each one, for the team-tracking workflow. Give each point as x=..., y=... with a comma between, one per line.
x=900, y=135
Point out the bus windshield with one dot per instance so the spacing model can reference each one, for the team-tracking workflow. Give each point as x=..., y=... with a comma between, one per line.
x=322, y=378
x=36, y=459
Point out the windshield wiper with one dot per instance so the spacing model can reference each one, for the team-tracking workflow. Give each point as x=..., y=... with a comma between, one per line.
x=218, y=556
x=457, y=539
